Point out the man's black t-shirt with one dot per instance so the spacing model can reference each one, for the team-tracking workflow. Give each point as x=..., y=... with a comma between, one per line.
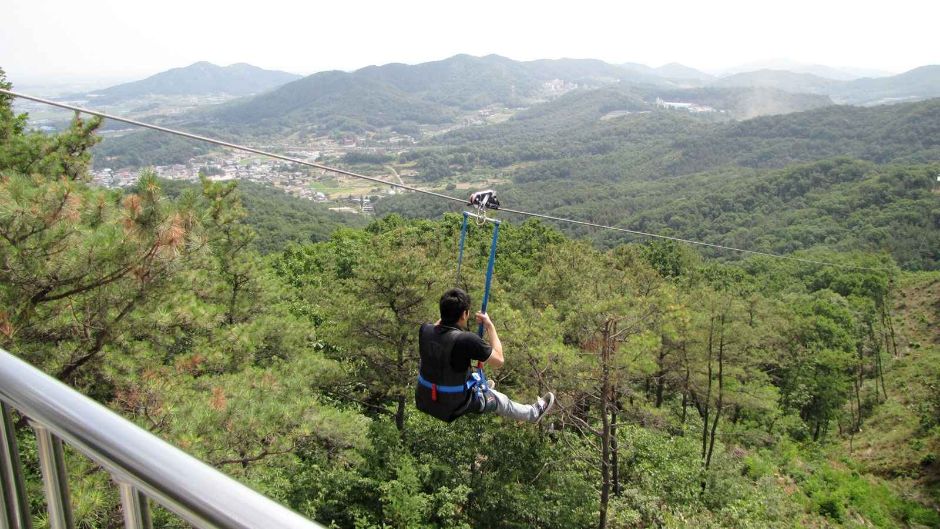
x=446, y=356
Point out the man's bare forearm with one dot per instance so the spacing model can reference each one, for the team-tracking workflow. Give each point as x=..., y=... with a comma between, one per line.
x=496, y=357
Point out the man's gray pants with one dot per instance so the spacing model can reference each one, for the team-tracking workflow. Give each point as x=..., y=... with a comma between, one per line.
x=492, y=401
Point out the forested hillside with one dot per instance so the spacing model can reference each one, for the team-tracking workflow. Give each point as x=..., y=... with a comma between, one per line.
x=277, y=218
x=146, y=148
x=331, y=101
x=835, y=177
x=691, y=392
x=571, y=127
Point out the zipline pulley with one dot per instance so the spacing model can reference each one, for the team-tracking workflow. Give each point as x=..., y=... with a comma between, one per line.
x=483, y=200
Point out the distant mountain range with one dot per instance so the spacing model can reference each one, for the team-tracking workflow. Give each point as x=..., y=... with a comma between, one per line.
x=434, y=92
x=201, y=78
x=404, y=96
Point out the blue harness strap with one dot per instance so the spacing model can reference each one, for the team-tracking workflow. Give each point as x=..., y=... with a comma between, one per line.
x=443, y=389
x=476, y=381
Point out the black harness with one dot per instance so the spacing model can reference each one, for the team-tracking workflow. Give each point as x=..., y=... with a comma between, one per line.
x=443, y=392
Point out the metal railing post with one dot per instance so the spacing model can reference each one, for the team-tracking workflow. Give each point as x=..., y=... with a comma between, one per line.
x=15, y=505
x=6, y=515
x=135, y=507
x=54, y=478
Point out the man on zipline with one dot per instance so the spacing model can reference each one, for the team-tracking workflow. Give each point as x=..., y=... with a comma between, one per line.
x=445, y=387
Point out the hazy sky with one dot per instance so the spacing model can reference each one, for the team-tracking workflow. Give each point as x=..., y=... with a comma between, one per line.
x=131, y=38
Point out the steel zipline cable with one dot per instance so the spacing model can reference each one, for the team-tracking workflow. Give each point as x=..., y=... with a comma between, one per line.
x=415, y=189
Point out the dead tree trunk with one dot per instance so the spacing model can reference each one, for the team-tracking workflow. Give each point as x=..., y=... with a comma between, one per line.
x=605, y=419
x=859, y=378
x=721, y=390
x=614, y=448
x=400, y=412
x=705, y=408
x=661, y=374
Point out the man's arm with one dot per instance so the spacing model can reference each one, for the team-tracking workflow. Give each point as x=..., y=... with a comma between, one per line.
x=496, y=357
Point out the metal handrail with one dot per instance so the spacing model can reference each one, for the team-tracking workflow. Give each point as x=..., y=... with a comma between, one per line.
x=143, y=465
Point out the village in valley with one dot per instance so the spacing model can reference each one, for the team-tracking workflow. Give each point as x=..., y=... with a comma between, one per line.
x=347, y=194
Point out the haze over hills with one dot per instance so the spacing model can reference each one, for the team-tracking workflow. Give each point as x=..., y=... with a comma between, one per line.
x=675, y=70
x=806, y=83
x=820, y=70
x=919, y=83
x=201, y=78
x=671, y=71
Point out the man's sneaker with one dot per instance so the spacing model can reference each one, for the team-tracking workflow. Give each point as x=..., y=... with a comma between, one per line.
x=544, y=404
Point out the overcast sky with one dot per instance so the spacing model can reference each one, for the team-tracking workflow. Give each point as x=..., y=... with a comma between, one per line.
x=67, y=39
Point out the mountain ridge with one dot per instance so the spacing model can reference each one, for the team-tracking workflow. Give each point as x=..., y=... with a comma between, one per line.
x=429, y=93
x=199, y=78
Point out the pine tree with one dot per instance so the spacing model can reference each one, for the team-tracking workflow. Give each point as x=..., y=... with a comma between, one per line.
x=76, y=260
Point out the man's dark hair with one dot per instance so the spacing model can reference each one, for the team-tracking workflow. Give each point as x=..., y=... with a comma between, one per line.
x=453, y=304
